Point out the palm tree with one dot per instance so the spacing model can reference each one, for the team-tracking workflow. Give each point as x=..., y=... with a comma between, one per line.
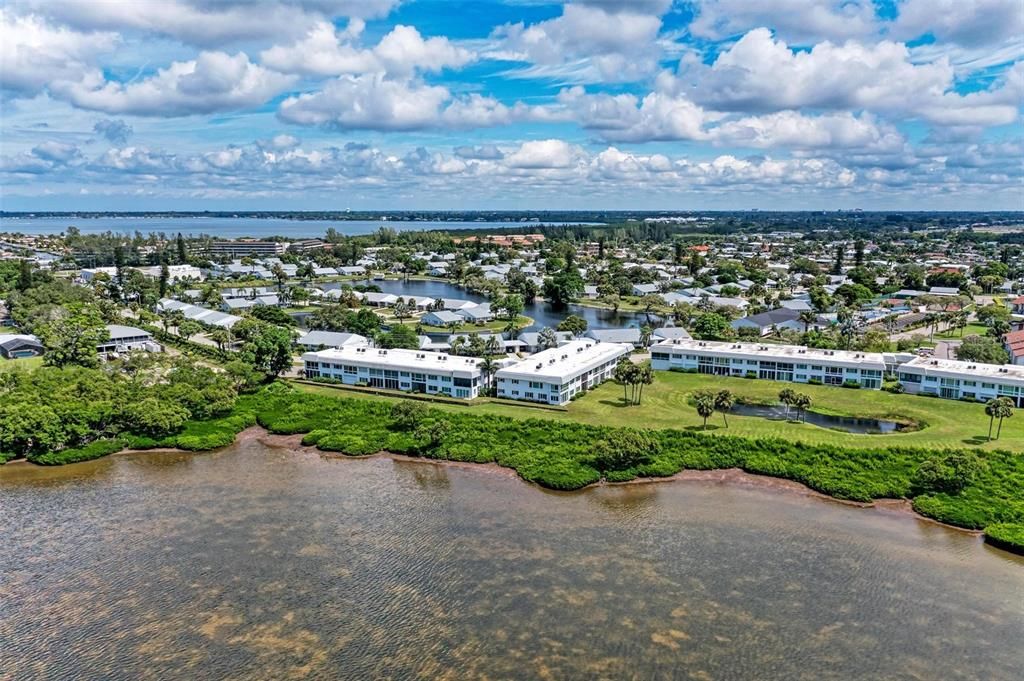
x=992, y=408
x=724, y=401
x=401, y=309
x=624, y=372
x=306, y=271
x=280, y=275
x=645, y=335
x=807, y=317
x=803, y=402
x=645, y=376
x=493, y=346
x=488, y=367
x=788, y=397
x=1003, y=409
x=705, y=405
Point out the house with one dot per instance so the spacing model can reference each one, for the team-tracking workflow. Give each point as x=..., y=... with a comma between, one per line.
x=480, y=314
x=399, y=369
x=531, y=339
x=665, y=333
x=793, y=363
x=1016, y=305
x=20, y=346
x=774, y=320
x=943, y=291
x=442, y=318
x=644, y=289
x=631, y=335
x=126, y=339
x=315, y=340
x=556, y=375
x=590, y=291
x=956, y=379
x=1013, y=342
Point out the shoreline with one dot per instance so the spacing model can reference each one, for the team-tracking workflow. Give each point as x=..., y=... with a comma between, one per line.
x=727, y=476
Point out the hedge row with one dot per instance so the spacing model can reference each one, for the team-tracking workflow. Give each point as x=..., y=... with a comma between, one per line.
x=1009, y=536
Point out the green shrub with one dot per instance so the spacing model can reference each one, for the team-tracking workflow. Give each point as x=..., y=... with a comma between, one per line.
x=1009, y=536
x=93, y=450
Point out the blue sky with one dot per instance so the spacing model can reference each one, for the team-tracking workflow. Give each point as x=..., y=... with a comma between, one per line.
x=516, y=104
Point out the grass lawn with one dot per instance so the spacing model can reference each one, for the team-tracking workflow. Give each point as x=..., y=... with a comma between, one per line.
x=7, y=329
x=946, y=423
x=969, y=330
x=28, y=364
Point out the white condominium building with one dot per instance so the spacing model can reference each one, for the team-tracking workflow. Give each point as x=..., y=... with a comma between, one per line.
x=396, y=369
x=555, y=375
x=773, y=362
x=955, y=379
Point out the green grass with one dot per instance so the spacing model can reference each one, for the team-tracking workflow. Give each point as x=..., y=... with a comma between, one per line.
x=943, y=423
x=27, y=363
x=969, y=330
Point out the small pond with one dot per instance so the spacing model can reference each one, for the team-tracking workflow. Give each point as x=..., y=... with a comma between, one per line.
x=849, y=424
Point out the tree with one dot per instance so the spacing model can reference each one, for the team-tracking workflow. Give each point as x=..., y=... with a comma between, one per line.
x=704, y=402
x=189, y=328
x=573, y=324
x=488, y=367
x=649, y=302
x=858, y=253
x=493, y=346
x=306, y=270
x=712, y=326
x=512, y=305
x=268, y=348
x=29, y=428
x=803, y=402
x=644, y=376
x=949, y=473
x=724, y=401
x=998, y=408
x=624, y=448
x=564, y=287
x=646, y=332
x=399, y=336
x=547, y=339
x=807, y=317
x=221, y=337
x=154, y=417
x=401, y=309
x=72, y=335
x=625, y=374
x=182, y=251
x=837, y=267
x=280, y=275
x=982, y=349
x=165, y=277
x=788, y=397
x=408, y=415
x=24, y=275
x=434, y=433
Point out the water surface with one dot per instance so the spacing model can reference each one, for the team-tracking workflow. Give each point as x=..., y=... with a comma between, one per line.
x=265, y=563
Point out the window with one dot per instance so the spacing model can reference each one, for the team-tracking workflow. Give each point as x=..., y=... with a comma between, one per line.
x=349, y=369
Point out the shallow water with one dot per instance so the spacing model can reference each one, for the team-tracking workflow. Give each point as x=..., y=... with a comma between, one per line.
x=261, y=562
x=849, y=424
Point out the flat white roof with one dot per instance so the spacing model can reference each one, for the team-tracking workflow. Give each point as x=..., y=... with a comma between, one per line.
x=566, y=361
x=791, y=353
x=405, y=360
x=954, y=368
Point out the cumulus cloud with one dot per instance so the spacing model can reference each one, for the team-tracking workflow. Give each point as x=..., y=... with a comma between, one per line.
x=542, y=154
x=368, y=102
x=793, y=130
x=208, y=23
x=213, y=81
x=802, y=21
x=34, y=53
x=402, y=52
x=626, y=118
x=966, y=22
x=613, y=40
x=115, y=131
x=761, y=73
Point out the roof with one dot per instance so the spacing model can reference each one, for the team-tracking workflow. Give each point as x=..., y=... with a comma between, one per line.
x=11, y=341
x=628, y=335
x=408, y=360
x=118, y=332
x=669, y=332
x=770, y=317
x=793, y=353
x=446, y=316
x=331, y=339
x=566, y=361
x=955, y=368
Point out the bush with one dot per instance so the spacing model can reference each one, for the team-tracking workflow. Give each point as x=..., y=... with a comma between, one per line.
x=93, y=450
x=814, y=381
x=1009, y=536
x=852, y=384
x=949, y=473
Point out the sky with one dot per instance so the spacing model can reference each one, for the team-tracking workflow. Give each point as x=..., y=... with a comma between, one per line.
x=511, y=104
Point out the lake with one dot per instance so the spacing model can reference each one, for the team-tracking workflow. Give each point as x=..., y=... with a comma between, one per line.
x=233, y=228
x=543, y=313
x=265, y=562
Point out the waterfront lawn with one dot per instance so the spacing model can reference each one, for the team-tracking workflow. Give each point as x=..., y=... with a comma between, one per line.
x=570, y=455
x=666, y=404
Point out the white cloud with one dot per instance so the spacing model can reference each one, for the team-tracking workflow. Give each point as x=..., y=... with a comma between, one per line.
x=803, y=21
x=116, y=131
x=543, y=154
x=790, y=129
x=208, y=23
x=611, y=41
x=966, y=22
x=213, y=81
x=34, y=53
x=367, y=102
x=402, y=52
x=760, y=73
x=625, y=118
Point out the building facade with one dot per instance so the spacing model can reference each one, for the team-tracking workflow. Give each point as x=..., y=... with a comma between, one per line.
x=956, y=379
x=432, y=373
x=555, y=375
x=792, y=363
x=244, y=247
